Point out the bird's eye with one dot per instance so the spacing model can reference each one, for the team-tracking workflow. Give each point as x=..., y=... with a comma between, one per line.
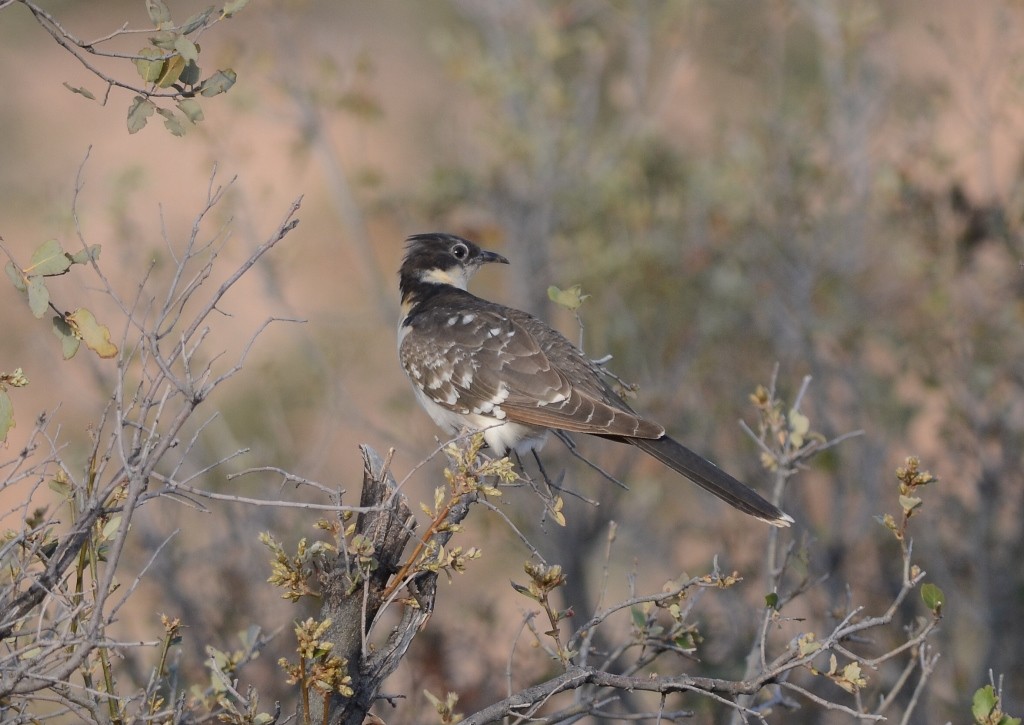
x=460, y=250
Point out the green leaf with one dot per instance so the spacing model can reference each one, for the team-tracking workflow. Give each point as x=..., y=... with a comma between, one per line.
x=219, y=82
x=571, y=298
x=138, y=113
x=186, y=48
x=192, y=110
x=933, y=597
x=80, y=90
x=150, y=65
x=6, y=415
x=771, y=600
x=172, y=122
x=48, y=260
x=158, y=12
x=233, y=6
x=196, y=21
x=38, y=295
x=984, y=702
x=68, y=341
x=17, y=278
x=89, y=254
x=639, y=619
x=94, y=335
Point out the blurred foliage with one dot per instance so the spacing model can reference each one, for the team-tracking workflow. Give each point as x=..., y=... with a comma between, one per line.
x=824, y=184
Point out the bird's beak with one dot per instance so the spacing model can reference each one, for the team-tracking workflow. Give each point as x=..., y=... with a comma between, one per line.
x=486, y=257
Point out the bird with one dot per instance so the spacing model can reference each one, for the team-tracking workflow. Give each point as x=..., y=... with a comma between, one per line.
x=479, y=366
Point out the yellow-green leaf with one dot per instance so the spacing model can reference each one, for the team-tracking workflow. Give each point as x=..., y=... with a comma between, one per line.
x=164, y=39
x=158, y=12
x=171, y=71
x=195, y=22
x=48, y=260
x=191, y=108
x=219, y=82
x=94, y=335
x=172, y=122
x=233, y=6
x=186, y=48
x=110, y=529
x=799, y=425
x=138, y=113
x=17, y=278
x=38, y=295
x=909, y=503
x=556, y=511
x=89, y=254
x=806, y=644
x=61, y=485
x=150, y=64
x=80, y=90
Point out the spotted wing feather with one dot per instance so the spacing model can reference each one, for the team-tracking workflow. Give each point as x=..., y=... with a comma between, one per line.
x=507, y=364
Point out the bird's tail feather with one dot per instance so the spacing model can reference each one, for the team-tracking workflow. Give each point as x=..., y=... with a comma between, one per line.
x=711, y=478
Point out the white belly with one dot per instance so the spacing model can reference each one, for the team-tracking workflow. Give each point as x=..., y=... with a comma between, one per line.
x=501, y=436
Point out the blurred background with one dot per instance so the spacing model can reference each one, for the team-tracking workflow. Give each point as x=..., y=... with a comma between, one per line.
x=835, y=187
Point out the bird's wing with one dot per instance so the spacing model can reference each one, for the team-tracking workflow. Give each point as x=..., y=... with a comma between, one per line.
x=503, y=363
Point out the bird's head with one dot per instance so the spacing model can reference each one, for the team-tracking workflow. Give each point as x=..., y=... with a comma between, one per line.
x=442, y=259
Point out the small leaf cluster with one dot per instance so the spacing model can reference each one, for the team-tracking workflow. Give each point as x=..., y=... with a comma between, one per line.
x=910, y=478
x=850, y=677
x=679, y=635
x=436, y=558
x=649, y=630
x=293, y=573
x=171, y=60
x=545, y=579
x=317, y=671
x=789, y=432
x=71, y=328
x=467, y=474
x=221, y=696
x=470, y=472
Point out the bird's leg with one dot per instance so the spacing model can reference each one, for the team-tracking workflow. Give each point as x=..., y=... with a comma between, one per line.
x=544, y=474
x=544, y=494
x=559, y=484
x=570, y=444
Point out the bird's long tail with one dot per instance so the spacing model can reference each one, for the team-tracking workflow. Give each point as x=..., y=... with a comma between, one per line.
x=711, y=478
